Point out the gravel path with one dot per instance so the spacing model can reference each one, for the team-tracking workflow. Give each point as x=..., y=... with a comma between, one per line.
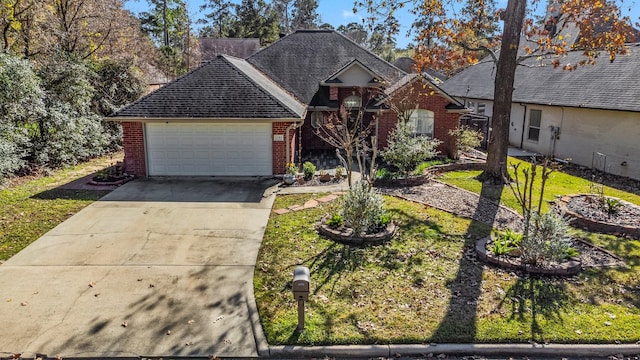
x=459, y=202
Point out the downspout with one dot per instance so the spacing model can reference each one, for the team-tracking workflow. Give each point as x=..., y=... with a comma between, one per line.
x=524, y=123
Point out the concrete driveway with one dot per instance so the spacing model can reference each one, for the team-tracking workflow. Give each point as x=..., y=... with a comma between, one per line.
x=159, y=267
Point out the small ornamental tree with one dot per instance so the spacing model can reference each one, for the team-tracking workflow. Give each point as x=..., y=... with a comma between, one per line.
x=546, y=237
x=466, y=139
x=347, y=132
x=406, y=150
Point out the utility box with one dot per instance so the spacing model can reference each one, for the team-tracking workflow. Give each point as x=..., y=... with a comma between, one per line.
x=301, y=282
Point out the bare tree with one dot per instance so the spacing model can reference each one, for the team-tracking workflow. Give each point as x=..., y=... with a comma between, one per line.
x=346, y=132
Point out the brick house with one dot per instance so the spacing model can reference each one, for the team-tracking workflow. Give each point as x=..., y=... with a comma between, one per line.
x=251, y=116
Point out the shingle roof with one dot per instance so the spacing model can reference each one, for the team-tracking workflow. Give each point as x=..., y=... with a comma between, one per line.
x=227, y=88
x=300, y=61
x=241, y=48
x=605, y=85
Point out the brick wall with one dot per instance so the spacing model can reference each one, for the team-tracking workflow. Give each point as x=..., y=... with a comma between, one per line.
x=279, y=148
x=426, y=99
x=133, y=141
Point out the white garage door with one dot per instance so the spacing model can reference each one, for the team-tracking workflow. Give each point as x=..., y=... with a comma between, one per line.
x=208, y=149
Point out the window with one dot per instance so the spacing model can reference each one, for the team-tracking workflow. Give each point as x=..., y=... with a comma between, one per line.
x=535, y=119
x=353, y=105
x=352, y=102
x=317, y=119
x=480, y=109
x=421, y=122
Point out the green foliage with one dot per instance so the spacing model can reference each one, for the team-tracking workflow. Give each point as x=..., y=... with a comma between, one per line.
x=339, y=172
x=548, y=241
x=362, y=208
x=612, y=205
x=256, y=19
x=405, y=150
x=506, y=242
x=336, y=220
x=385, y=174
x=308, y=170
x=466, y=138
x=20, y=106
x=423, y=166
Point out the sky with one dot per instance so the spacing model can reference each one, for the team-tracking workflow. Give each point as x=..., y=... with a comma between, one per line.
x=340, y=12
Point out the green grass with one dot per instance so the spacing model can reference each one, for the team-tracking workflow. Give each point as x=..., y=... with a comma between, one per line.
x=558, y=184
x=29, y=207
x=427, y=286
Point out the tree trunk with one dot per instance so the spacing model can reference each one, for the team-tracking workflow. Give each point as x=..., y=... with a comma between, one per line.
x=496, y=167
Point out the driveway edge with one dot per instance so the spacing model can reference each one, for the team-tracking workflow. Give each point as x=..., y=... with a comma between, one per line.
x=512, y=350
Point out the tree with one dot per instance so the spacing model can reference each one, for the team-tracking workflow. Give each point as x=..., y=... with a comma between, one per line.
x=305, y=14
x=356, y=32
x=283, y=9
x=461, y=38
x=256, y=19
x=405, y=150
x=346, y=131
x=219, y=20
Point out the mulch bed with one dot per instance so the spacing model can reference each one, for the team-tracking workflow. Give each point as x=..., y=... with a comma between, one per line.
x=589, y=207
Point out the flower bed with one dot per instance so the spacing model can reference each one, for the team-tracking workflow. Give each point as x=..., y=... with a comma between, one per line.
x=585, y=212
x=567, y=267
x=345, y=234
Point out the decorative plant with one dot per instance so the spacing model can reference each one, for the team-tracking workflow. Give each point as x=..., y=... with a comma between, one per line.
x=308, y=169
x=466, y=138
x=291, y=168
x=363, y=209
x=611, y=205
x=507, y=242
x=405, y=150
x=335, y=221
x=339, y=172
x=546, y=237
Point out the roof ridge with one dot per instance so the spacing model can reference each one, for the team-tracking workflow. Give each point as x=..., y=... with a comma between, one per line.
x=264, y=91
x=402, y=72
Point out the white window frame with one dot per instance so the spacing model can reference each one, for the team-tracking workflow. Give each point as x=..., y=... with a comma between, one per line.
x=353, y=102
x=530, y=135
x=317, y=119
x=422, y=122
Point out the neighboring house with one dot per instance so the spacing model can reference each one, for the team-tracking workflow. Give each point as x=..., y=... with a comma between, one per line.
x=408, y=65
x=243, y=117
x=210, y=48
x=590, y=116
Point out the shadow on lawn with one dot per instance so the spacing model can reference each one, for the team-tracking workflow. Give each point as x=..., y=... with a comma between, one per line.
x=459, y=322
x=536, y=298
x=334, y=261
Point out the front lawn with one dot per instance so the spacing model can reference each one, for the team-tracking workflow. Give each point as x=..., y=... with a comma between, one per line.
x=427, y=286
x=29, y=207
x=559, y=184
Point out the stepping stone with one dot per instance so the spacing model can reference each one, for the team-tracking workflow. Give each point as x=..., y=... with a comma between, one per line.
x=325, y=199
x=281, y=211
x=310, y=204
x=296, y=207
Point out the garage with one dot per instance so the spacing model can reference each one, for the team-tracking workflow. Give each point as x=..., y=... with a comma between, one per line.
x=208, y=149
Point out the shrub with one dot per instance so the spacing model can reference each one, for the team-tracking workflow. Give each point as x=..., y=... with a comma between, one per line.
x=335, y=221
x=339, y=172
x=405, y=150
x=506, y=242
x=292, y=169
x=611, y=205
x=548, y=241
x=466, y=138
x=363, y=209
x=308, y=169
